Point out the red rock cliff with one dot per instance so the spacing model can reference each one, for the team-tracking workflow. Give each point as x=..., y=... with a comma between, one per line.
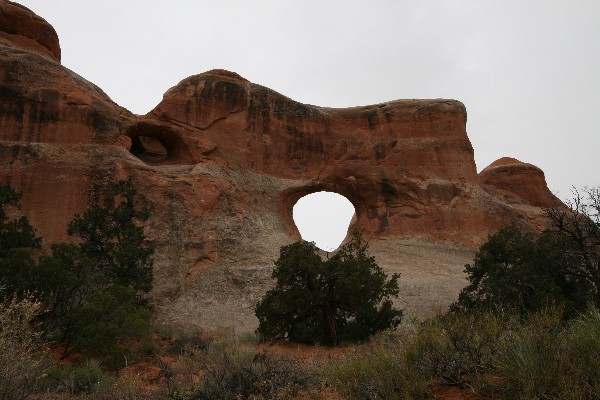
x=224, y=161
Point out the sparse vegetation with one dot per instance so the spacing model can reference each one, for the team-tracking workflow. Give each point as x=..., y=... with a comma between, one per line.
x=91, y=291
x=228, y=366
x=22, y=358
x=527, y=326
x=88, y=380
x=232, y=369
x=527, y=273
x=499, y=356
x=518, y=330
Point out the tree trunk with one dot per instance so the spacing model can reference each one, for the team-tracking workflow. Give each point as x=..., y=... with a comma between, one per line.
x=329, y=335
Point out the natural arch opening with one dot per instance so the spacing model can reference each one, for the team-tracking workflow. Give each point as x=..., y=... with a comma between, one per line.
x=323, y=218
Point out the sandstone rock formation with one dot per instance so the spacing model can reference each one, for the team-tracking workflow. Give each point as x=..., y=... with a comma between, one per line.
x=19, y=25
x=524, y=180
x=224, y=160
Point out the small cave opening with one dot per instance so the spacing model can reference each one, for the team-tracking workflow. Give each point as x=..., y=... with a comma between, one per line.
x=324, y=218
x=157, y=144
x=148, y=148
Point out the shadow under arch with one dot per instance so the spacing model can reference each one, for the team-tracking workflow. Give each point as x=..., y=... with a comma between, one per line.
x=157, y=144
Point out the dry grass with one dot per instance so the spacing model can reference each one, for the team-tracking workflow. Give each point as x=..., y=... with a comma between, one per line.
x=22, y=361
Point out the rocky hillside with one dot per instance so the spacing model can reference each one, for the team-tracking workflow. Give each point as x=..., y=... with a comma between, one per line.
x=224, y=160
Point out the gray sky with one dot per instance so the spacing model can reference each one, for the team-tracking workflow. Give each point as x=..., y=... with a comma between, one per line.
x=528, y=71
x=323, y=218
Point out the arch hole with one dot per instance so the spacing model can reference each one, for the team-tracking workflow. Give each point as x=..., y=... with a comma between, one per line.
x=323, y=218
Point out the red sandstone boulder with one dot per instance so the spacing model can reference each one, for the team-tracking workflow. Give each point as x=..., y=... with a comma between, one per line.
x=522, y=179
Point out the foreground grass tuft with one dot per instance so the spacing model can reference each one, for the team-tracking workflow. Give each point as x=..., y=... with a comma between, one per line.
x=489, y=354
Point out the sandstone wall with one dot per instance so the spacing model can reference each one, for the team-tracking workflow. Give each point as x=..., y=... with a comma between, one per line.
x=224, y=160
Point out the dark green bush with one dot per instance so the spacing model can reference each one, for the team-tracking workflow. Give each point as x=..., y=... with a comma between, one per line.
x=91, y=291
x=111, y=239
x=18, y=241
x=514, y=270
x=111, y=325
x=346, y=298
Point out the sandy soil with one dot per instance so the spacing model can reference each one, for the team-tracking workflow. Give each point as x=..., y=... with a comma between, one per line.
x=431, y=277
x=431, y=274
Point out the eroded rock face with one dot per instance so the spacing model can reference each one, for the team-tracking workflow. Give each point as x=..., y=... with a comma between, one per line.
x=19, y=25
x=224, y=160
x=395, y=161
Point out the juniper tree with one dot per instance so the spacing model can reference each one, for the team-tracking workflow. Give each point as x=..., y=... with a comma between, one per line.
x=344, y=298
x=17, y=242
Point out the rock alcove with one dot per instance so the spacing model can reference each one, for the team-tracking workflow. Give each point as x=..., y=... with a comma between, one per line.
x=157, y=144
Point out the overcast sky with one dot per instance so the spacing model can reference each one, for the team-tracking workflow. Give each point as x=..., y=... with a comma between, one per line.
x=528, y=71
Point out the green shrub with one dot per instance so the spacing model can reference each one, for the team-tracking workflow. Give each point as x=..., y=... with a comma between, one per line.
x=380, y=373
x=87, y=380
x=531, y=357
x=17, y=243
x=583, y=362
x=113, y=326
x=546, y=357
x=514, y=270
x=88, y=377
x=455, y=348
x=127, y=387
x=250, y=338
x=452, y=349
x=111, y=238
x=493, y=354
x=92, y=292
x=186, y=341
